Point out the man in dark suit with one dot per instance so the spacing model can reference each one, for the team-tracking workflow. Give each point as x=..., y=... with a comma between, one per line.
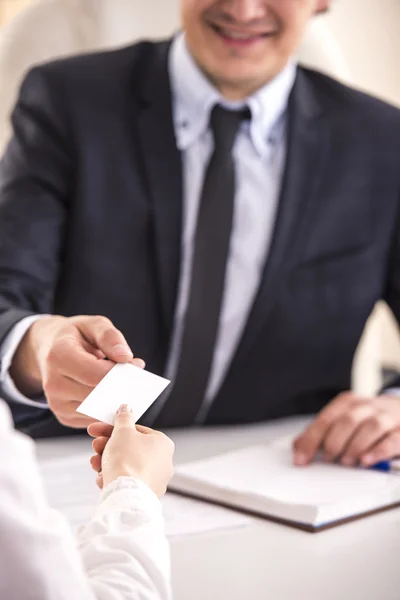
x=232, y=218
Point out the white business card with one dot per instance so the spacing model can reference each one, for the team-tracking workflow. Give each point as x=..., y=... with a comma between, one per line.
x=124, y=384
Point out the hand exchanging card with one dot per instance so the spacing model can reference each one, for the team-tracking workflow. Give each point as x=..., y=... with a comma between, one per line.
x=124, y=384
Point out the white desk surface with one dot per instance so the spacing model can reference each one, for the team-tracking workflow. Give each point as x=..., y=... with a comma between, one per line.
x=266, y=561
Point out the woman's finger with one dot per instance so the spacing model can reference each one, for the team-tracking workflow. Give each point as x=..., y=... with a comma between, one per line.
x=95, y=463
x=99, y=444
x=99, y=481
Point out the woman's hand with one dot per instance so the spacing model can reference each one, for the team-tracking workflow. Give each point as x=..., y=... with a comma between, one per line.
x=131, y=450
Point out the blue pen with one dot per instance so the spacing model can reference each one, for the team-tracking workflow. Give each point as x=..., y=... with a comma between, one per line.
x=387, y=466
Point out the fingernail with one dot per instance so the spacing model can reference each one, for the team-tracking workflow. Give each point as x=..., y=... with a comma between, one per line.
x=139, y=363
x=347, y=461
x=124, y=408
x=122, y=350
x=300, y=459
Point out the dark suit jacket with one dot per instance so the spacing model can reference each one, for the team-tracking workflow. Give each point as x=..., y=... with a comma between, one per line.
x=90, y=222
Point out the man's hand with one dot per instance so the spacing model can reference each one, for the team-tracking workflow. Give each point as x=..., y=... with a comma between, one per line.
x=322, y=6
x=352, y=430
x=132, y=451
x=64, y=358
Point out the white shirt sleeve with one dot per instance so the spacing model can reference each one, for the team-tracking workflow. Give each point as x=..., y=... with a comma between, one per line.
x=7, y=351
x=125, y=546
x=123, y=552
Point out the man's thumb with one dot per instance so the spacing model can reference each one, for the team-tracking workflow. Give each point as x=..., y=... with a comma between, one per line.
x=101, y=333
x=124, y=416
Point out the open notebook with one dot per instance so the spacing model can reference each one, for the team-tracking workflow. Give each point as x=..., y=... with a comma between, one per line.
x=261, y=480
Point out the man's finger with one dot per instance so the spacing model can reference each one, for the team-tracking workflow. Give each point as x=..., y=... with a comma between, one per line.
x=70, y=358
x=386, y=449
x=86, y=369
x=138, y=362
x=101, y=333
x=372, y=431
x=63, y=389
x=341, y=434
x=99, y=429
x=73, y=422
x=91, y=349
x=69, y=417
x=307, y=445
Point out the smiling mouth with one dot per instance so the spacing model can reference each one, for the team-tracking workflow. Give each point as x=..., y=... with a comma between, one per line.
x=239, y=38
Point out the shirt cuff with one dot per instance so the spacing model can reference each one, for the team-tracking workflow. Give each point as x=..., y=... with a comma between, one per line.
x=7, y=352
x=125, y=495
x=391, y=391
x=119, y=494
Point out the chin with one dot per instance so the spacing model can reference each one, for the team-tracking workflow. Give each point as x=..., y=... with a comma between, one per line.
x=233, y=75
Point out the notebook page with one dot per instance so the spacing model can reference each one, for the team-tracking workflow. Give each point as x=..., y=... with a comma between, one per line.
x=268, y=471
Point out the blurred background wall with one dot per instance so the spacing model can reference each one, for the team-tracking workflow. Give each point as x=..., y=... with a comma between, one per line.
x=9, y=8
x=368, y=33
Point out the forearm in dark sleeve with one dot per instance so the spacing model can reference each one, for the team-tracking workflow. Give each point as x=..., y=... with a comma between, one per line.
x=35, y=186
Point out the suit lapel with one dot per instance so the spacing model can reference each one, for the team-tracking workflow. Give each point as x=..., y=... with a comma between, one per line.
x=306, y=157
x=163, y=171
x=307, y=139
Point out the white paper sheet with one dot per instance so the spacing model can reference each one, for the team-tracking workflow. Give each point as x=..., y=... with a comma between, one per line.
x=124, y=384
x=71, y=489
x=184, y=517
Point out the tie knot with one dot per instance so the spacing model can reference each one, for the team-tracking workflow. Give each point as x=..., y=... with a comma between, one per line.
x=225, y=125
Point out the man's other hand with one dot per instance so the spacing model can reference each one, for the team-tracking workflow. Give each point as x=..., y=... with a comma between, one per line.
x=352, y=430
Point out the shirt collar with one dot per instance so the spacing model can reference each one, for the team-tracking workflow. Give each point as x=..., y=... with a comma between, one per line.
x=194, y=97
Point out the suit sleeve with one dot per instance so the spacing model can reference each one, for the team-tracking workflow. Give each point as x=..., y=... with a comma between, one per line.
x=35, y=180
x=392, y=293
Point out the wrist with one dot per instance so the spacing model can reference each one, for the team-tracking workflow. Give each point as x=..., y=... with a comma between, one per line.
x=132, y=494
x=112, y=476
x=25, y=367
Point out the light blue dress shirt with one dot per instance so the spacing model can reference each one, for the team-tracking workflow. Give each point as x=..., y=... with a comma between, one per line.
x=259, y=156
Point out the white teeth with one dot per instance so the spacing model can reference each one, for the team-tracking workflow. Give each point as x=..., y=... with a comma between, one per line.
x=237, y=36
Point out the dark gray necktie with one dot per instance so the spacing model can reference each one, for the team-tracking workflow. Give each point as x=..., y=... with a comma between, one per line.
x=211, y=249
